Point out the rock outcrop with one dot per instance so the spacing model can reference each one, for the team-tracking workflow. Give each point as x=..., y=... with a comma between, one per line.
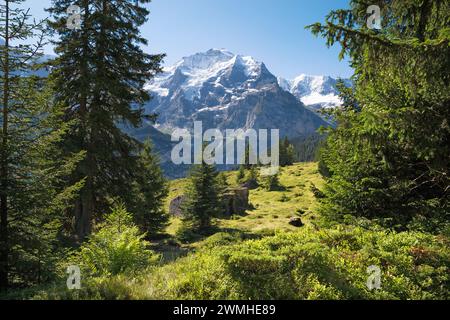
x=235, y=201
x=296, y=222
x=175, y=207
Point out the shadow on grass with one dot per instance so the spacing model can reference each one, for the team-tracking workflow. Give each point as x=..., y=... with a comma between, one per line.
x=217, y=234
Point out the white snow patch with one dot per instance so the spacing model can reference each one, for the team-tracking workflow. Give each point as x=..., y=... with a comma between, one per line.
x=163, y=92
x=210, y=109
x=330, y=100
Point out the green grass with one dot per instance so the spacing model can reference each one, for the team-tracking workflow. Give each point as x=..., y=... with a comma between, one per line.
x=270, y=212
x=310, y=263
x=260, y=256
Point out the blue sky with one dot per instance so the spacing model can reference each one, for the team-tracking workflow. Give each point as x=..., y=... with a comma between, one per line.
x=269, y=30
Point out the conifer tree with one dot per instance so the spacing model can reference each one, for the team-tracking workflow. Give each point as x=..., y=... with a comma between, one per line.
x=252, y=178
x=222, y=182
x=287, y=153
x=307, y=148
x=203, y=197
x=240, y=174
x=99, y=75
x=249, y=152
x=149, y=192
x=390, y=154
x=271, y=182
x=32, y=193
x=116, y=247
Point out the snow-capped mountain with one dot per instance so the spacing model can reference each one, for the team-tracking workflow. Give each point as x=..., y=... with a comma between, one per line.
x=227, y=91
x=315, y=92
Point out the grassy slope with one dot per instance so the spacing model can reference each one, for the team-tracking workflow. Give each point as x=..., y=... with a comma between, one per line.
x=271, y=212
x=260, y=256
x=242, y=262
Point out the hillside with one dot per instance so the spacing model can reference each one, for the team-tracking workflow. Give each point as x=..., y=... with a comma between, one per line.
x=272, y=210
x=260, y=256
x=100, y=110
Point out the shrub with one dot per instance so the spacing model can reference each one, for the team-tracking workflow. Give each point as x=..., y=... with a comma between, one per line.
x=313, y=264
x=117, y=247
x=333, y=264
x=307, y=264
x=198, y=276
x=316, y=192
x=271, y=182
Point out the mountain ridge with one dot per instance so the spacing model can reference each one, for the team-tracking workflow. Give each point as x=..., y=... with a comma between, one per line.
x=227, y=91
x=316, y=92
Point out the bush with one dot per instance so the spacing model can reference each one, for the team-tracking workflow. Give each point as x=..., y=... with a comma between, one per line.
x=198, y=276
x=117, y=247
x=316, y=192
x=307, y=264
x=333, y=264
x=311, y=264
x=271, y=182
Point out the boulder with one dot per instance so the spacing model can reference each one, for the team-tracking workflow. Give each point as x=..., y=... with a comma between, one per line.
x=176, y=205
x=296, y=222
x=235, y=201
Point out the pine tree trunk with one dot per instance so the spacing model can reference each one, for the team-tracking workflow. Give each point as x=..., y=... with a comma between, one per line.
x=84, y=226
x=4, y=245
x=423, y=19
x=85, y=206
x=83, y=214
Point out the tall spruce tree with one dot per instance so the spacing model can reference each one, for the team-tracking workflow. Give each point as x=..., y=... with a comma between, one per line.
x=32, y=194
x=149, y=192
x=240, y=176
x=287, y=153
x=307, y=148
x=390, y=153
x=203, y=197
x=99, y=75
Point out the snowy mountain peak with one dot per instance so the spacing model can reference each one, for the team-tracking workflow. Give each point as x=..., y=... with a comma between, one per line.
x=217, y=67
x=214, y=60
x=218, y=76
x=205, y=60
x=284, y=84
x=319, y=84
x=226, y=90
x=314, y=91
x=252, y=68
